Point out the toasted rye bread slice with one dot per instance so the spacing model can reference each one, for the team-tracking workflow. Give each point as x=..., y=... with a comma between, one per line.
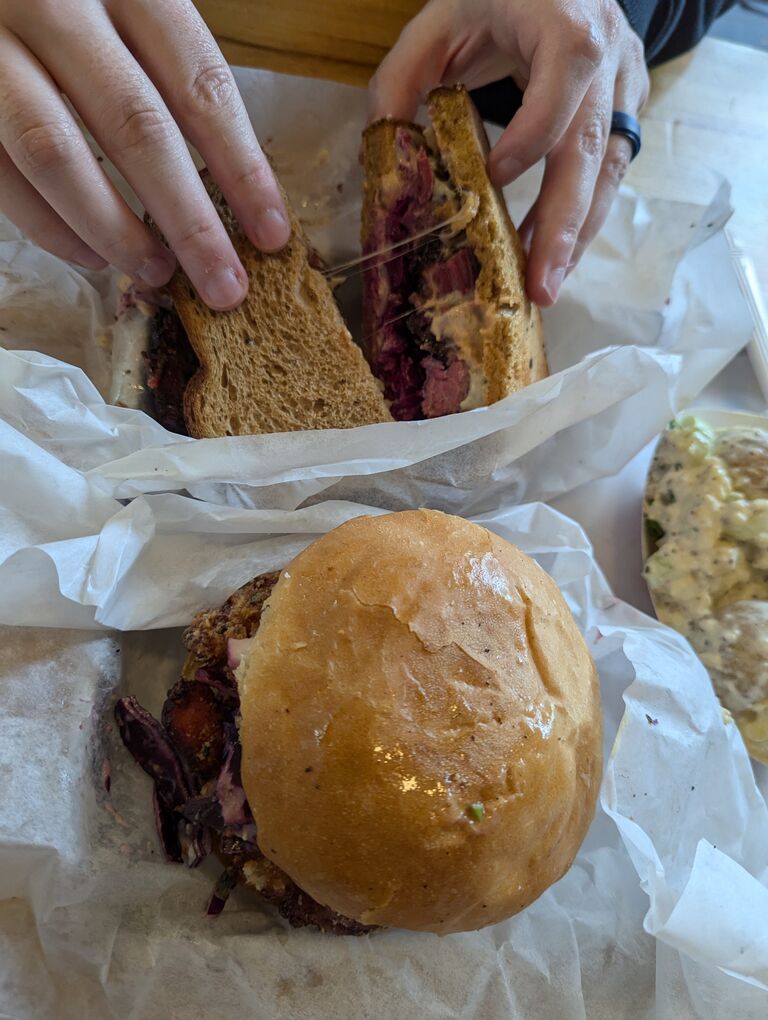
x=513, y=354
x=284, y=360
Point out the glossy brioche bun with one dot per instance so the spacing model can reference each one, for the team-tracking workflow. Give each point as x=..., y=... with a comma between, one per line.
x=421, y=725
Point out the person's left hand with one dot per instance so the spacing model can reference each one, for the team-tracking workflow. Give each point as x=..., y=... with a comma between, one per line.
x=143, y=76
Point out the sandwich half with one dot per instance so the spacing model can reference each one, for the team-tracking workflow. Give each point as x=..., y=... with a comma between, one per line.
x=281, y=362
x=447, y=323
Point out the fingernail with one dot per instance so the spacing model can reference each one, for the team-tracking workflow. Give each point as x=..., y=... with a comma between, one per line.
x=222, y=289
x=505, y=170
x=271, y=230
x=87, y=258
x=157, y=271
x=553, y=281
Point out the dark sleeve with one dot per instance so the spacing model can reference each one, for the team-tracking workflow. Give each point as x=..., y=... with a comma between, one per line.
x=667, y=28
x=639, y=13
x=671, y=27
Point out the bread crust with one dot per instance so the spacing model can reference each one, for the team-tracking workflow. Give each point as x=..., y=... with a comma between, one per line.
x=514, y=354
x=284, y=360
x=380, y=159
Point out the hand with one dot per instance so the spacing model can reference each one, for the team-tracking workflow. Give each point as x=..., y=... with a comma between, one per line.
x=577, y=61
x=142, y=75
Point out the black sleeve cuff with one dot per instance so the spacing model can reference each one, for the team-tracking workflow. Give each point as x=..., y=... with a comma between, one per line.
x=498, y=102
x=667, y=28
x=639, y=14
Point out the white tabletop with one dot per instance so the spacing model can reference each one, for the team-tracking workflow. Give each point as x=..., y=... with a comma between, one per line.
x=610, y=510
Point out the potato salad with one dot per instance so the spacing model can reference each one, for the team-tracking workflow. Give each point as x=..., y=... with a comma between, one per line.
x=706, y=520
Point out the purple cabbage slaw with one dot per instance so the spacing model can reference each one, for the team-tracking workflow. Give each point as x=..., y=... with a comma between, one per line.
x=190, y=811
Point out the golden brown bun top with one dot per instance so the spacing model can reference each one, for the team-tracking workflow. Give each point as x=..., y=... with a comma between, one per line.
x=421, y=724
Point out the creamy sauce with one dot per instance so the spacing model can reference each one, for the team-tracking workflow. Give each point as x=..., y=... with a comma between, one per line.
x=463, y=321
x=706, y=510
x=449, y=201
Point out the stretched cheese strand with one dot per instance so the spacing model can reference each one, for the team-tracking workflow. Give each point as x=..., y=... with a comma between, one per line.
x=459, y=220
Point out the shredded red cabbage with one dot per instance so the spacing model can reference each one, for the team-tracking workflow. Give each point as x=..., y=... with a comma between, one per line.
x=185, y=819
x=167, y=825
x=152, y=749
x=230, y=794
x=226, y=883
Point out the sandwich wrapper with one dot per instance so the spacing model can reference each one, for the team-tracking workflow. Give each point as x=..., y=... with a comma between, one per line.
x=112, y=524
x=650, y=316
x=100, y=926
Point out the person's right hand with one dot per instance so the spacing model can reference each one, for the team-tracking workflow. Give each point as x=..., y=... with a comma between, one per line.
x=142, y=75
x=576, y=61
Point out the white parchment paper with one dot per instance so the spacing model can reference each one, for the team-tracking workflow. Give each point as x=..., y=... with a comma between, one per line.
x=677, y=850
x=650, y=316
x=99, y=531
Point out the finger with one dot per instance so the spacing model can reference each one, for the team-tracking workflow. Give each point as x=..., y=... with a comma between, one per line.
x=174, y=46
x=525, y=230
x=550, y=102
x=612, y=172
x=630, y=95
x=566, y=192
x=128, y=118
x=43, y=142
x=412, y=68
x=37, y=221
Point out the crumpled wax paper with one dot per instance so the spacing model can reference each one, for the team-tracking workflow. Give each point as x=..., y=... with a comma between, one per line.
x=100, y=926
x=92, y=923
x=648, y=318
